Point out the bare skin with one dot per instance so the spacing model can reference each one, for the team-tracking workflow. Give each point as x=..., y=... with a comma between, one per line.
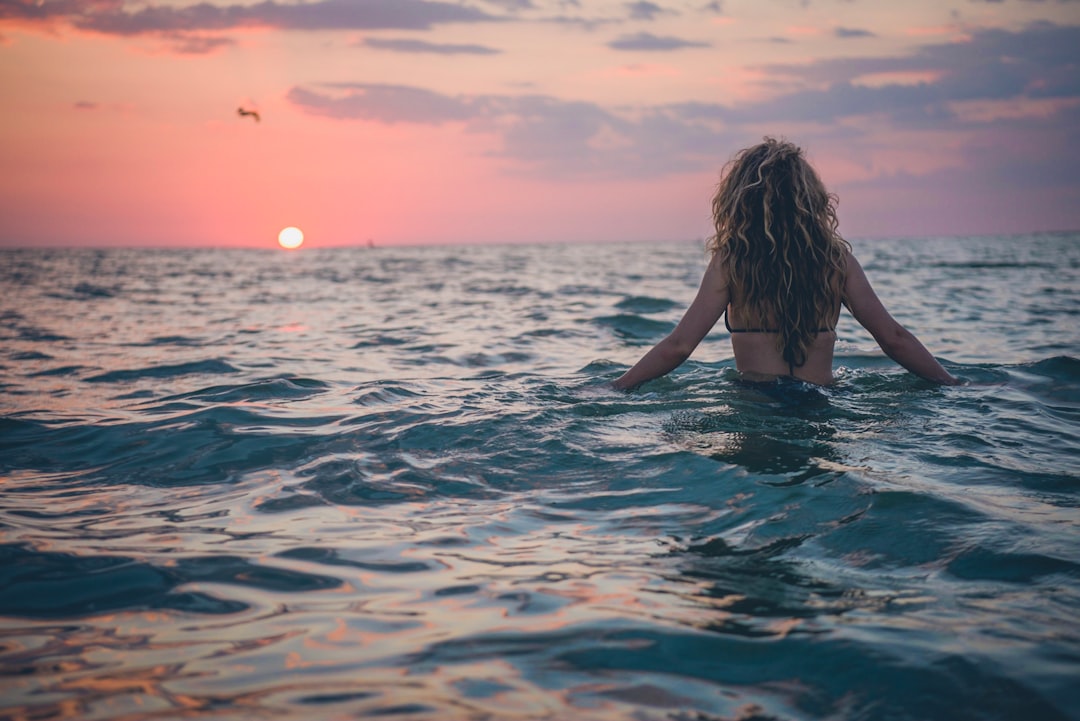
x=756, y=354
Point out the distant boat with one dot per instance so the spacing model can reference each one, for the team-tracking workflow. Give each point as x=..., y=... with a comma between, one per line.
x=248, y=113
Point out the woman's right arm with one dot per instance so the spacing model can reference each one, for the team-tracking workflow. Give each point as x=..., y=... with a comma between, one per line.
x=896, y=340
x=700, y=317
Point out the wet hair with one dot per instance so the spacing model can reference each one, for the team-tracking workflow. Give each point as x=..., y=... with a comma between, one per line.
x=776, y=231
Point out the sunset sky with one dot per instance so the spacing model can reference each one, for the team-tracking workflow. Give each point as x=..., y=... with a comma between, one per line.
x=425, y=121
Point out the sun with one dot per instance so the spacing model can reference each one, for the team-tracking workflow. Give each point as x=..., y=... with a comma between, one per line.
x=290, y=238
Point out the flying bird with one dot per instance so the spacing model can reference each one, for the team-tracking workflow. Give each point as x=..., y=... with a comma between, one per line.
x=245, y=113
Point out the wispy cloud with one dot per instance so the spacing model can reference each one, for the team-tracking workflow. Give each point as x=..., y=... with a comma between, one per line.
x=543, y=135
x=383, y=103
x=557, y=137
x=1037, y=62
x=844, y=33
x=409, y=45
x=189, y=44
x=644, y=10
x=513, y=5
x=112, y=17
x=653, y=43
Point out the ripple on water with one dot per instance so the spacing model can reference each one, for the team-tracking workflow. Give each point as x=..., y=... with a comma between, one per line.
x=393, y=483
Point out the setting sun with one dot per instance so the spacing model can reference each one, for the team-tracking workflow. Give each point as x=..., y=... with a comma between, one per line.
x=290, y=238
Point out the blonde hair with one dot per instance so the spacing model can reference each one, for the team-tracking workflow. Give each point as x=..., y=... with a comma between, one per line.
x=776, y=231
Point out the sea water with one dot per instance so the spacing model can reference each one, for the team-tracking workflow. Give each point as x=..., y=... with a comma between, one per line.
x=393, y=483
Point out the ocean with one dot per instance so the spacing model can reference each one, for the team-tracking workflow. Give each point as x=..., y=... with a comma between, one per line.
x=393, y=483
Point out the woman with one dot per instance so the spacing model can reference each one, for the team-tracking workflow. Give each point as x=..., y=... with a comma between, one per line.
x=780, y=271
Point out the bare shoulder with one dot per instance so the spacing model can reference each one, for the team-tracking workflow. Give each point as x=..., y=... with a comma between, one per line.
x=716, y=273
x=855, y=280
x=851, y=263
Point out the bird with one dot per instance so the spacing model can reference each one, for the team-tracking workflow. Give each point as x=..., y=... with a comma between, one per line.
x=244, y=113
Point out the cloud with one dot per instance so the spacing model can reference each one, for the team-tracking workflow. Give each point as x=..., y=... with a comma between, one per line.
x=653, y=43
x=112, y=17
x=1048, y=162
x=383, y=103
x=557, y=138
x=853, y=33
x=405, y=45
x=32, y=11
x=1014, y=175
x=1038, y=48
x=542, y=135
x=513, y=5
x=645, y=10
x=1040, y=61
x=187, y=44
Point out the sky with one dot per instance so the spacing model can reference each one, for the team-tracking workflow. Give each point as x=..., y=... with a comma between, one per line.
x=398, y=122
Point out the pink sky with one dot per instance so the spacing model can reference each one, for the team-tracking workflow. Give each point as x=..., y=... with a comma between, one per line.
x=413, y=121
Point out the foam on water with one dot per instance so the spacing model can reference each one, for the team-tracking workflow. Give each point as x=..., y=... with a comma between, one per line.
x=353, y=483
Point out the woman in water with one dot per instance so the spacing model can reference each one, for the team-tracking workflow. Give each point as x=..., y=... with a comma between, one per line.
x=780, y=271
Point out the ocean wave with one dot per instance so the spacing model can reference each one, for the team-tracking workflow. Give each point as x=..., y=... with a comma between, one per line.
x=202, y=367
x=635, y=327
x=403, y=477
x=643, y=304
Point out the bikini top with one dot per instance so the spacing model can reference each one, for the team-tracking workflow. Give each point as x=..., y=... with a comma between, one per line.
x=727, y=324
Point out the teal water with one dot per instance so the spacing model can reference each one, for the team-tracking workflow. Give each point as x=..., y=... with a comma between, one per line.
x=369, y=483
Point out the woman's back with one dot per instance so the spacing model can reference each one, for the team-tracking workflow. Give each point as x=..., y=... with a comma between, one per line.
x=780, y=271
x=757, y=356
x=776, y=236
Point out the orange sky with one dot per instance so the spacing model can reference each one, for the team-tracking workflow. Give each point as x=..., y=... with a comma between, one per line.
x=417, y=121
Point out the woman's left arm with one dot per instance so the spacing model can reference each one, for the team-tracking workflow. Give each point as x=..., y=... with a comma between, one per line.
x=667, y=355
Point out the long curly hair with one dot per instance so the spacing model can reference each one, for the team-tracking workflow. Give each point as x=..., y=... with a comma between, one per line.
x=776, y=231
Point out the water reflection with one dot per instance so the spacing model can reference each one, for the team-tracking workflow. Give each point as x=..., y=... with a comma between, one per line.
x=223, y=519
x=781, y=432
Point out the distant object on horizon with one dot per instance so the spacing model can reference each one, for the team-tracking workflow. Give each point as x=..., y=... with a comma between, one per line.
x=245, y=113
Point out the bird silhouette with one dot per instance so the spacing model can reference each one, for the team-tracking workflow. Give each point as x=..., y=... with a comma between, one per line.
x=246, y=113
